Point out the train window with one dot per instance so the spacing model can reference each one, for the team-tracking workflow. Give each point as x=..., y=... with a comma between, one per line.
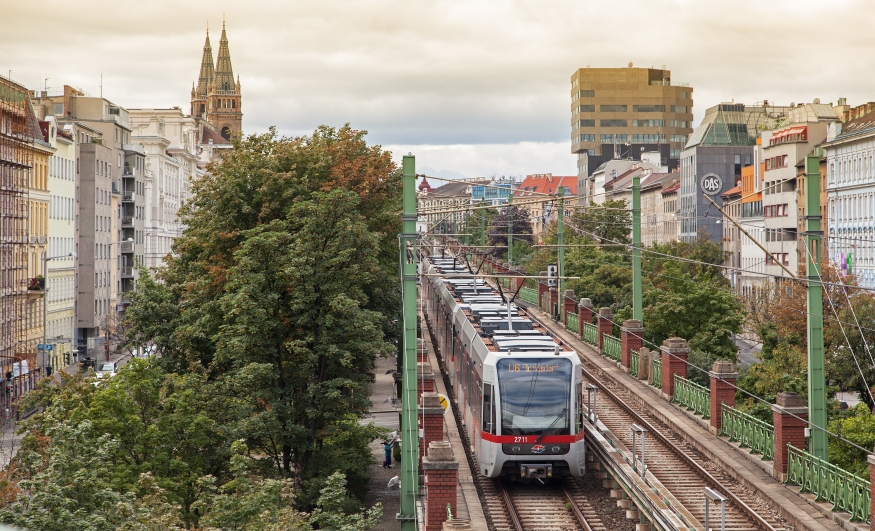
x=535, y=395
x=578, y=400
x=488, y=410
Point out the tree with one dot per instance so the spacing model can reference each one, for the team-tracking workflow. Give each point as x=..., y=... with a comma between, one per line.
x=510, y=220
x=609, y=222
x=284, y=288
x=857, y=426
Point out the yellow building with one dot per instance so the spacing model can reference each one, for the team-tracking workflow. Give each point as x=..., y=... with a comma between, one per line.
x=38, y=236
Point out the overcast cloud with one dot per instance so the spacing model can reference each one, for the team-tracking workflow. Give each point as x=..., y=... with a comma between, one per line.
x=472, y=88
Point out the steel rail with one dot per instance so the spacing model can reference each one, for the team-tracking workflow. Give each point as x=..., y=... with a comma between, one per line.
x=509, y=505
x=576, y=510
x=694, y=466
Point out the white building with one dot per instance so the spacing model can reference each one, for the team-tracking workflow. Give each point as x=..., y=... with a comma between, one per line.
x=61, y=272
x=170, y=141
x=850, y=154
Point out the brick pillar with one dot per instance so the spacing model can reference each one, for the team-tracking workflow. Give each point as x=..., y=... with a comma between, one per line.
x=871, y=460
x=584, y=313
x=424, y=380
x=674, y=361
x=632, y=338
x=569, y=304
x=431, y=420
x=554, y=301
x=723, y=378
x=441, y=480
x=789, y=417
x=605, y=325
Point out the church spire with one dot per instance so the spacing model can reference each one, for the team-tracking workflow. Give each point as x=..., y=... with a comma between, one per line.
x=208, y=71
x=224, y=73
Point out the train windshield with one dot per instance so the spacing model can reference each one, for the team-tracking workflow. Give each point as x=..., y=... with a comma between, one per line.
x=535, y=394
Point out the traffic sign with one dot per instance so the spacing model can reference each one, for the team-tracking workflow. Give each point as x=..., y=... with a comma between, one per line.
x=45, y=347
x=445, y=403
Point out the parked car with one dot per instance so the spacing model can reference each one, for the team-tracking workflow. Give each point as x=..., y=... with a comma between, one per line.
x=107, y=369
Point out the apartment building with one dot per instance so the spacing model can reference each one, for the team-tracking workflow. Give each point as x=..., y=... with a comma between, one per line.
x=658, y=205
x=617, y=113
x=61, y=263
x=750, y=215
x=784, y=149
x=731, y=234
x=537, y=186
x=593, y=190
x=169, y=139
x=850, y=165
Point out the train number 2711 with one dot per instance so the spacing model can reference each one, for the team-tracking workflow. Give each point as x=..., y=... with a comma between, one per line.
x=520, y=439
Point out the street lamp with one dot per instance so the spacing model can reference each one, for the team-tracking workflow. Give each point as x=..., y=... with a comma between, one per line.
x=46, y=296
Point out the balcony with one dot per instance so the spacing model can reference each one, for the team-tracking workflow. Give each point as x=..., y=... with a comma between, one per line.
x=127, y=272
x=127, y=222
x=36, y=287
x=128, y=197
x=127, y=247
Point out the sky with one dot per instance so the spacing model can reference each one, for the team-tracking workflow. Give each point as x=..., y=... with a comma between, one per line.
x=473, y=88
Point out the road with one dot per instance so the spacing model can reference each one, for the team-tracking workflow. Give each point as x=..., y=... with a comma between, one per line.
x=747, y=350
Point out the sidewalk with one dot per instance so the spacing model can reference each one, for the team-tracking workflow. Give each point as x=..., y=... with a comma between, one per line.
x=385, y=415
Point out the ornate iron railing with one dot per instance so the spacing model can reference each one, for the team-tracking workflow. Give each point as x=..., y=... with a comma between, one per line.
x=748, y=431
x=611, y=347
x=656, y=373
x=571, y=323
x=829, y=483
x=692, y=396
x=634, y=363
x=529, y=295
x=590, y=334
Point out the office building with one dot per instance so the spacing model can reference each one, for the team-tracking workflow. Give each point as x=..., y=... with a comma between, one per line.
x=618, y=113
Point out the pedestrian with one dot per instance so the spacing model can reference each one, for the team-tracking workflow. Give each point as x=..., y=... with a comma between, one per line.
x=387, y=447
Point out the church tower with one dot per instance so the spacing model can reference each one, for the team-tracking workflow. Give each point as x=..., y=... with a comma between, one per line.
x=216, y=98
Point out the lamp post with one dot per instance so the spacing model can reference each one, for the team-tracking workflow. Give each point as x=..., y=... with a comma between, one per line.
x=46, y=296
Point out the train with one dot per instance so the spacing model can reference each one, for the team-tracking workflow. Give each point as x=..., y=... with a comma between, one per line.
x=518, y=388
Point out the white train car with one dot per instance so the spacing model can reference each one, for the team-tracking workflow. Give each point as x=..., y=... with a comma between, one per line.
x=518, y=389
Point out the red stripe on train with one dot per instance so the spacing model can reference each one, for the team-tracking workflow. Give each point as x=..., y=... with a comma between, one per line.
x=530, y=439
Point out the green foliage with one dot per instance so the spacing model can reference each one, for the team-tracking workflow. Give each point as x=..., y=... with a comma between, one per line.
x=328, y=514
x=510, y=220
x=607, y=223
x=859, y=428
x=281, y=292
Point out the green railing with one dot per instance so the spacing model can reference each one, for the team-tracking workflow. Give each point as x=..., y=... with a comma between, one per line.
x=634, y=363
x=590, y=334
x=829, y=483
x=692, y=396
x=656, y=373
x=611, y=347
x=529, y=295
x=571, y=322
x=748, y=431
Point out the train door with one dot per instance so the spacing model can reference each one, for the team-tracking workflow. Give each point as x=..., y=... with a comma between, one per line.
x=488, y=425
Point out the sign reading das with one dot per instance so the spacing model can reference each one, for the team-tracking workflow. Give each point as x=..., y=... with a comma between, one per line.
x=711, y=184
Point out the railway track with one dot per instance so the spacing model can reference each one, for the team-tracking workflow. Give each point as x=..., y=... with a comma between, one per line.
x=679, y=467
x=556, y=506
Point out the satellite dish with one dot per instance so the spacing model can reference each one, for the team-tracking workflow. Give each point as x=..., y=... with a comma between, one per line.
x=630, y=64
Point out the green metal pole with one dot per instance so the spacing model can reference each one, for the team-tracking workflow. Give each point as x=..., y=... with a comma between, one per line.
x=637, y=296
x=510, y=230
x=409, y=428
x=817, y=414
x=560, y=234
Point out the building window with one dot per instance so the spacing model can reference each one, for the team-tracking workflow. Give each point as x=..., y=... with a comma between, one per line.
x=613, y=108
x=590, y=152
x=685, y=95
x=679, y=108
x=586, y=94
x=679, y=123
x=648, y=123
x=607, y=139
x=586, y=138
x=613, y=123
x=674, y=154
x=679, y=138
x=586, y=108
x=587, y=123
x=648, y=108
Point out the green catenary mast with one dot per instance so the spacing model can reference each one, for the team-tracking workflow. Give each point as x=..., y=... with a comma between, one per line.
x=816, y=379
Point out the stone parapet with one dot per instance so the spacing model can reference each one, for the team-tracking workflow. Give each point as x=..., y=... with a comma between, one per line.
x=675, y=354
x=631, y=338
x=790, y=418
x=723, y=378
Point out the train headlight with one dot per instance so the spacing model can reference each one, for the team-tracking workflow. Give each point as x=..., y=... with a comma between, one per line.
x=515, y=449
x=555, y=449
